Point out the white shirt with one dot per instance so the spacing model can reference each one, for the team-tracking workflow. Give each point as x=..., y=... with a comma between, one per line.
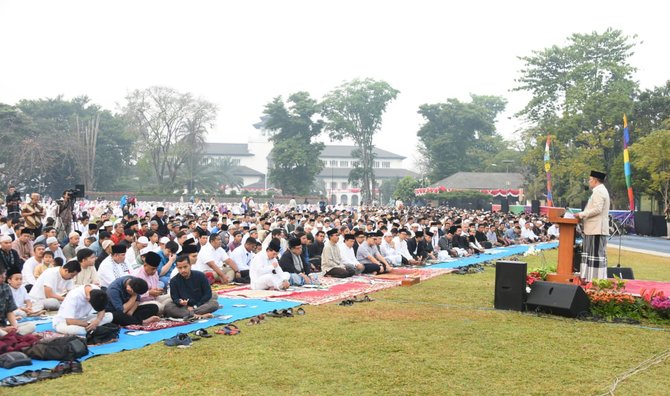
x=110, y=270
x=59, y=253
x=51, y=277
x=20, y=296
x=28, y=271
x=262, y=265
x=75, y=305
x=388, y=250
x=208, y=253
x=552, y=231
x=401, y=247
x=241, y=257
x=347, y=254
x=527, y=233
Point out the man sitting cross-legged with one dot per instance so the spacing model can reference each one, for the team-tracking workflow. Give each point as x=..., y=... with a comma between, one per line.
x=331, y=259
x=8, y=323
x=265, y=272
x=148, y=271
x=292, y=262
x=75, y=315
x=53, y=284
x=124, y=294
x=190, y=292
x=26, y=305
x=370, y=257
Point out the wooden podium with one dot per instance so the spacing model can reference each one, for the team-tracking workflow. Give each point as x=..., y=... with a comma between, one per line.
x=566, y=240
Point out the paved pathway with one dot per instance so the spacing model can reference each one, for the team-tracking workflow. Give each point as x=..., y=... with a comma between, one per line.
x=641, y=244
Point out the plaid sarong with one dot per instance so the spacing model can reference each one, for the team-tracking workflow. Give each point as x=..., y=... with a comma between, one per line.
x=594, y=258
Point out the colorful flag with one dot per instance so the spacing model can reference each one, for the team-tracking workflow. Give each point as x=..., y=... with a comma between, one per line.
x=626, y=164
x=547, y=168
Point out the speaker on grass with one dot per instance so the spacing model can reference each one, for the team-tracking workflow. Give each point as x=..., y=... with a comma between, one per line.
x=621, y=272
x=535, y=206
x=510, y=287
x=504, y=206
x=659, y=226
x=558, y=299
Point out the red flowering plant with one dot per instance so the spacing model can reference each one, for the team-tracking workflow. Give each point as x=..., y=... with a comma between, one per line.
x=537, y=274
x=658, y=302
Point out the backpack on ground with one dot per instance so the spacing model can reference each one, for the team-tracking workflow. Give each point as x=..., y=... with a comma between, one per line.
x=61, y=348
x=103, y=334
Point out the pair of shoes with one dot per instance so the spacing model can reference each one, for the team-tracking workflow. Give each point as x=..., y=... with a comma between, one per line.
x=284, y=313
x=256, y=320
x=75, y=367
x=181, y=340
x=230, y=329
x=202, y=333
x=365, y=298
x=347, y=302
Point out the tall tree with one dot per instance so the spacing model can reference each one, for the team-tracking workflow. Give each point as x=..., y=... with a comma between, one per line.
x=459, y=136
x=652, y=154
x=292, y=127
x=652, y=107
x=159, y=117
x=580, y=92
x=354, y=110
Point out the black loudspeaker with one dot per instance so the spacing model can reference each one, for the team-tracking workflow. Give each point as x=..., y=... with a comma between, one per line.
x=510, y=288
x=79, y=190
x=643, y=223
x=621, y=272
x=659, y=226
x=558, y=298
x=504, y=206
x=535, y=206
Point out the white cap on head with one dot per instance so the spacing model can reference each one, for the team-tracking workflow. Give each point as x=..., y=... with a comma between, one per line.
x=145, y=250
x=51, y=240
x=107, y=224
x=5, y=238
x=164, y=240
x=143, y=240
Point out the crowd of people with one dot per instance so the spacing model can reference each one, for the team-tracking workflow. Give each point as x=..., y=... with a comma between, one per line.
x=96, y=262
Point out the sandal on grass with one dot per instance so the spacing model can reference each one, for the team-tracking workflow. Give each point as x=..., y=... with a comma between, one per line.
x=230, y=329
x=256, y=320
x=300, y=311
x=202, y=333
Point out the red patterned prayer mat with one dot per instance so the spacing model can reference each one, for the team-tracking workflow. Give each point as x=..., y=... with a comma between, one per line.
x=161, y=324
x=399, y=274
x=49, y=334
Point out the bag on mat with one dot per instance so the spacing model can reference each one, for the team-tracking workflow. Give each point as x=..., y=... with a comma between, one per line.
x=103, y=334
x=61, y=348
x=14, y=359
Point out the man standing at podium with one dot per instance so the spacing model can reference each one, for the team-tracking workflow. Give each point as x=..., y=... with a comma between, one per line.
x=595, y=218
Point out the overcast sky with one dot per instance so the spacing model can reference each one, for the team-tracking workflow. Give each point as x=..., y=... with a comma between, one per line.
x=241, y=54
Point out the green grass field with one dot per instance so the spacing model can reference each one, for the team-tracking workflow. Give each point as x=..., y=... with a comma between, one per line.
x=438, y=337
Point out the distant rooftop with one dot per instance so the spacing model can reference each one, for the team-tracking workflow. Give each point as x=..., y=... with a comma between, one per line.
x=246, y=171
x=380, y=173
x=341, y=151
x=228, y=149
x=482, y=180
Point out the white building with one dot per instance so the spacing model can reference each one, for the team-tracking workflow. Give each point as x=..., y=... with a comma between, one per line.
x=252, y=161
x=338, y=162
